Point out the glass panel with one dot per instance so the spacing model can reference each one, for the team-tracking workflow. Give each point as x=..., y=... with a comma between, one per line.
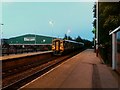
x=118, y=51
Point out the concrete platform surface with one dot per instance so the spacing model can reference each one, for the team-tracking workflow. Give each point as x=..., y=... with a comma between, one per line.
x=22, y=55
x=84, y=70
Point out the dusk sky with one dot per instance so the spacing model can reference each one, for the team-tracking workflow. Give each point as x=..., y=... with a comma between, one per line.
x=48, y=19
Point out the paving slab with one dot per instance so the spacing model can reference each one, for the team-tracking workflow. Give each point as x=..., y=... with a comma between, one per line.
x=106, y=78
x=83, y=70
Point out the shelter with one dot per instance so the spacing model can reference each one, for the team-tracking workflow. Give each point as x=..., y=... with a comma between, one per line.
x=116, y=49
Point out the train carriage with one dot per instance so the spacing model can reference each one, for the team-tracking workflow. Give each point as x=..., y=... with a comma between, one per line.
x=57, y=46
x=60, y=46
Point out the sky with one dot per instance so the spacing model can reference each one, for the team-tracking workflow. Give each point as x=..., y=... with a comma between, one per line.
x=48, y=19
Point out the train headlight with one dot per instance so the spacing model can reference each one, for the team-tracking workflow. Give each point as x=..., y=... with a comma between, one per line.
x=53, y=47
x=61, y=48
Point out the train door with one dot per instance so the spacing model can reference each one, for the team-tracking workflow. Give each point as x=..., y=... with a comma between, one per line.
x=57, y=45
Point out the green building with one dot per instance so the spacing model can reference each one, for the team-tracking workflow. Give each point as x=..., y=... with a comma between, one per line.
x=26, y=43
x=30, y=39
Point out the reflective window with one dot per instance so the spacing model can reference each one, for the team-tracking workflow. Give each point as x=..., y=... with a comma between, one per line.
x=118, y=50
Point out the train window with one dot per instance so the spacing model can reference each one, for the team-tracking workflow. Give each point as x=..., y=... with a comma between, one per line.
x=53, y=43
x=118, y=50
x=61, y=43
x=64, y=44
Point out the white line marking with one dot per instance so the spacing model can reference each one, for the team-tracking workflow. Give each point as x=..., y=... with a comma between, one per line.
x=44, y=74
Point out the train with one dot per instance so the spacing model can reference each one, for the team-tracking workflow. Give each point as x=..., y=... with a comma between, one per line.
x=60, y=46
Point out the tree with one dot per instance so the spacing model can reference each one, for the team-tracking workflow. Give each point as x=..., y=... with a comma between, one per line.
x=69, y=38
x=94, y=31
x=65, y=37
x=109, y=19
x=78, y=39
x=87, y=43
x=94, y=25
x=94, y=15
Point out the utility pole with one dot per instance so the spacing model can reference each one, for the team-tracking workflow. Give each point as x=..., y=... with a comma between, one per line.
x=97, y=29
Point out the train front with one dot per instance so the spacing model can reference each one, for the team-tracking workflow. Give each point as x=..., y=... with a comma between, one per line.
x=57, y=46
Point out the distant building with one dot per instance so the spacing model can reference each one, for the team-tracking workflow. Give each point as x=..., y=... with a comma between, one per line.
x=116, y=49
x=4, y=41
x=30, y=39
x=26, y=43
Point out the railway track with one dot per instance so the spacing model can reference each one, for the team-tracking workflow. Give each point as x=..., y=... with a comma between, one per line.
x=15, y=70
x=22, y=76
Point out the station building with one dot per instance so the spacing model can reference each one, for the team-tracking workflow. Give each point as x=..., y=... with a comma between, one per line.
x=116, y=49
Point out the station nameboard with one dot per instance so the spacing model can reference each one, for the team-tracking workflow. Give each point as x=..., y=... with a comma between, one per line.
x=29, y=38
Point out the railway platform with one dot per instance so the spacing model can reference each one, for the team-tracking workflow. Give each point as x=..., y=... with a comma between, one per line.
x=83, y=70
x=12, y=56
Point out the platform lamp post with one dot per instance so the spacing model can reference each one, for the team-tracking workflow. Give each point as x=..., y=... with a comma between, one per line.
x=1, y=29
x=51, y=23
x=97, y=29
x=68, y=31
x=1, y=33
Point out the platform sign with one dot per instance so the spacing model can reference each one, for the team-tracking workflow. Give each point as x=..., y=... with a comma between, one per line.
x=29, y=38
